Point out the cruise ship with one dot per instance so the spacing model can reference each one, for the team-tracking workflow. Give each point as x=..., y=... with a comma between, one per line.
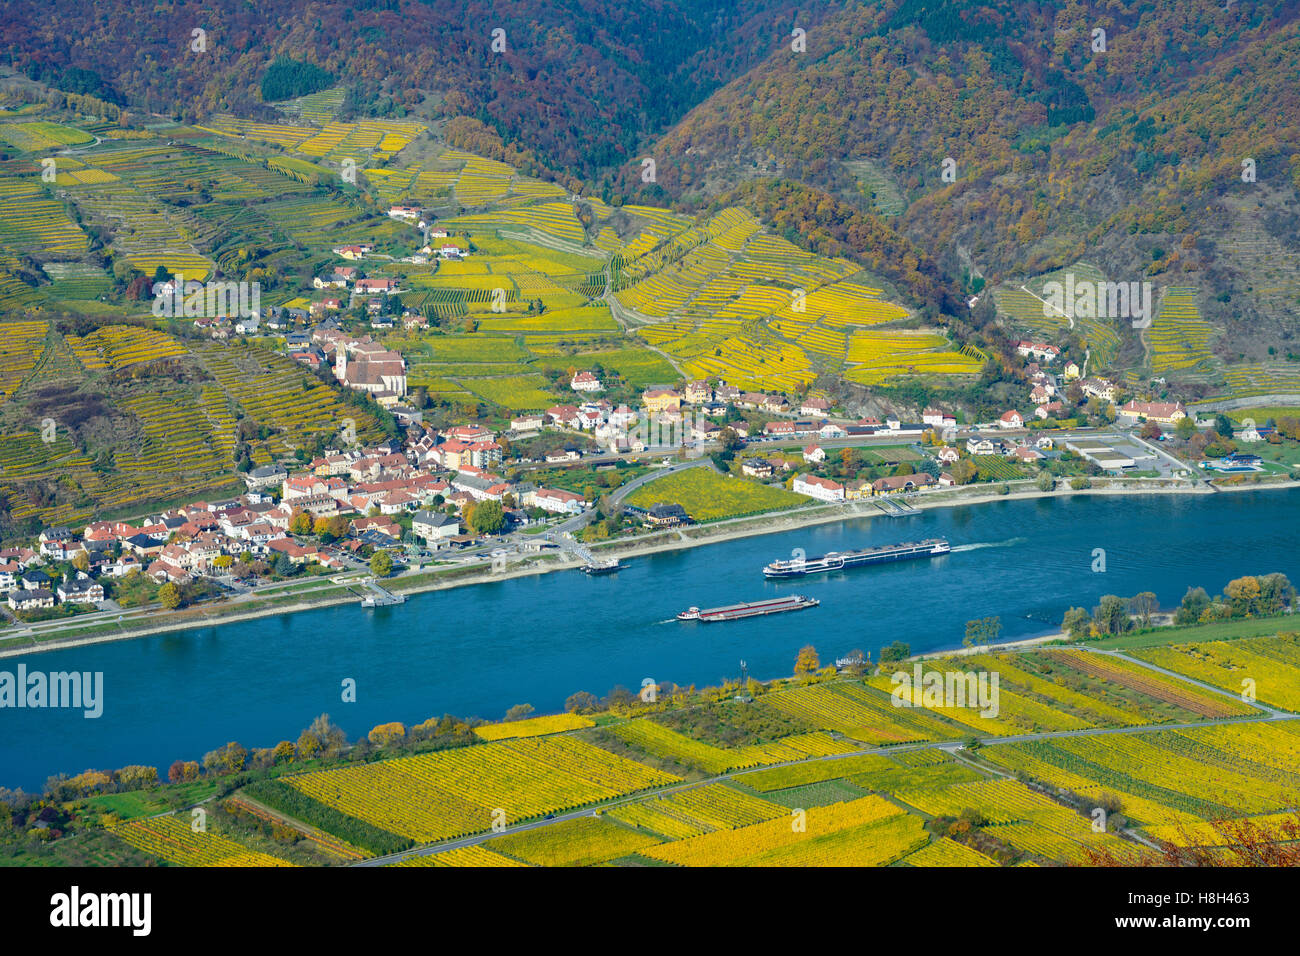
x=734, y=612
x=841, y=560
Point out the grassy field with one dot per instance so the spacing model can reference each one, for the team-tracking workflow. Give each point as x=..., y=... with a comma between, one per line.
x=708, y=496
x=1216, y=631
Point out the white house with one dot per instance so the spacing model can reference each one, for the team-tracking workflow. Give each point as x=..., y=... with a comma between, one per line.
x=831, y=430
x=434, y=527
x=585, y=382
x=1010, y=419
x=823, y=489
x=30, y=600
x=557, y=500
x=814, y=453
x=527, y=423
x=1038, y=350
x=81, y=590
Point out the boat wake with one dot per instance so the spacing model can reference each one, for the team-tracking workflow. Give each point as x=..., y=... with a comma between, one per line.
x=1009, y=543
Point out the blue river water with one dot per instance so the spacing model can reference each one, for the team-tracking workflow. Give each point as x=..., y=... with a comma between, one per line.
x=477, y=650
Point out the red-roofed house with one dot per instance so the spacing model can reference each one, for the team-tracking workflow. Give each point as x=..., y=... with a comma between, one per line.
x=565, y=415
x=1010, y=419
x=896, y=483
x=1167, y=413
x=585, y=382
x=555, y=500
x=822, y=489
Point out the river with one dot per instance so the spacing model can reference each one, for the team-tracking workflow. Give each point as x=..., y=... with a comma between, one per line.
x=475, y=651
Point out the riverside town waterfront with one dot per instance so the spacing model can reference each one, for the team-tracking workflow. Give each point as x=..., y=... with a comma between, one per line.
x=477, y=650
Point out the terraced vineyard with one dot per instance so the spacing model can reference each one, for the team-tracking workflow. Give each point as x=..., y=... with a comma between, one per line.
x=34, y=222
x=274, y=390
x=878, y=356
x=726, y=299
x=865, y=832
x=169, y=439
x=1271, y=665
x=452, y=793
x=21, y=345
x=172, y=839
x=811, y=798
x=1179, y=339
x=1017, y=816
x=743, y=304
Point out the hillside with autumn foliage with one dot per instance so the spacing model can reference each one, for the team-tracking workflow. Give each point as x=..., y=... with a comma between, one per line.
x=583, y=82
x=1154, y=141
x=951, y=147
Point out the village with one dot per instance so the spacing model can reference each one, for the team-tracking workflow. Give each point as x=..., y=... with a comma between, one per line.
x=539, y=478
x=466, y=486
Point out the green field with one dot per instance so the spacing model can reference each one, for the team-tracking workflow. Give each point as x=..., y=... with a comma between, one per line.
x=515, y=392
x=709, y=496
x=1264, y=413
x=1216, y=631
x=638, y=367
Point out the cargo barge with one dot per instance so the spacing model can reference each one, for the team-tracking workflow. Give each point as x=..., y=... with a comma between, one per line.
x=842, y=560
x=734, y=612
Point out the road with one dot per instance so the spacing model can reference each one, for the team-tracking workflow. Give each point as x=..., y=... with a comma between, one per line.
x=145, y=614
x=582, y=520
x=950, y=746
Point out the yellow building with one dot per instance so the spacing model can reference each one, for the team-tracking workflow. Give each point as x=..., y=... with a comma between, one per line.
x=662, y=400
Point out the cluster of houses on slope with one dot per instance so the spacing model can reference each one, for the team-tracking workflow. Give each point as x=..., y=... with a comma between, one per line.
x=824, y=488
x=28, y=587
x=360, y=363
x=369, y=487
x=1045, y=388
x=343, y=279
x=453, y=467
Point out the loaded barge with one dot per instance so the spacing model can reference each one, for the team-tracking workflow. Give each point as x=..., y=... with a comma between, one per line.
x=841, y=560
x=733, y=612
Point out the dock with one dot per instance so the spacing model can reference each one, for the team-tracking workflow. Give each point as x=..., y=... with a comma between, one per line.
x=590, y=563
x=376, y=595
x=895, y=508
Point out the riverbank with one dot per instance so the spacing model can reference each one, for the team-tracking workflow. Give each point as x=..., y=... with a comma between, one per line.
x=537, y=639
x=419, y=582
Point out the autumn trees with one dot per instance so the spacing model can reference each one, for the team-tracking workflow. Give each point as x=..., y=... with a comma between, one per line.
x=486, y=517
x=807, y=661
x=381, y=564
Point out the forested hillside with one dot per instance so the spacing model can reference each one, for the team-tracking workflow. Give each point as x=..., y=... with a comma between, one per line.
x=580, y=81
x=952, y=147
x=1156, y=141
